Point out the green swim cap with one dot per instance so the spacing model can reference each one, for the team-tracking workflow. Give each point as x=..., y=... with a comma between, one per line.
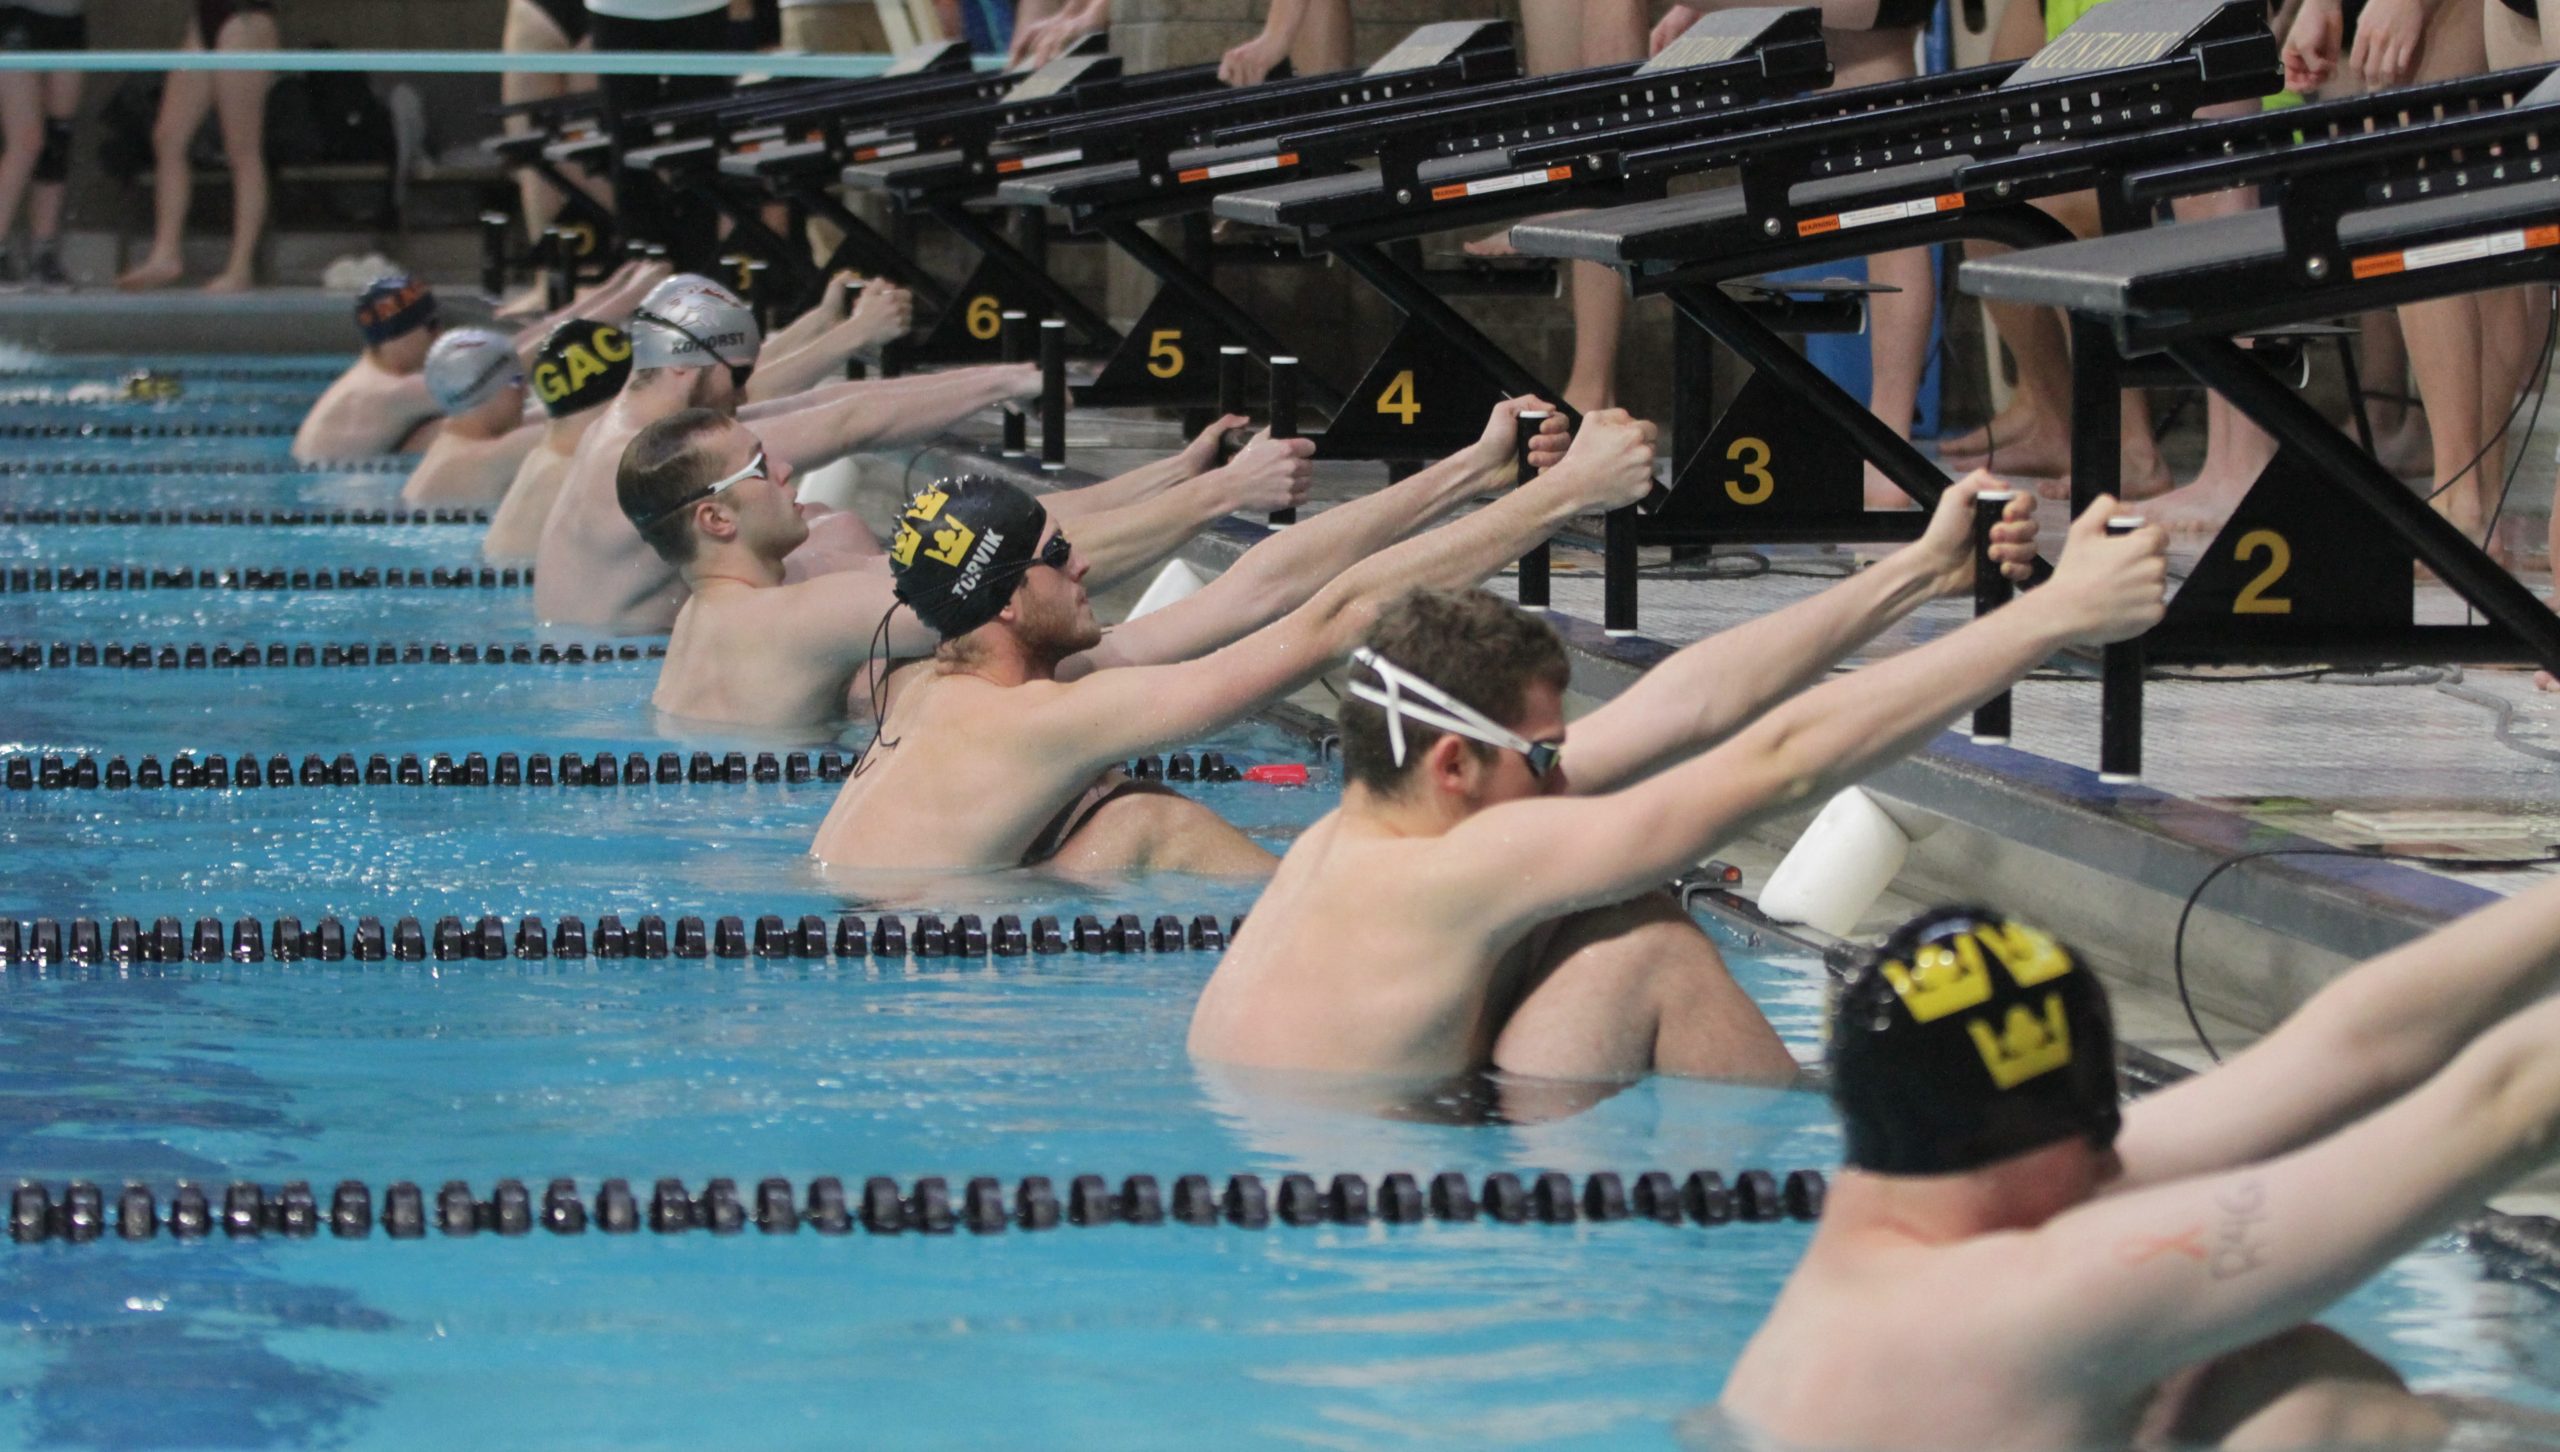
x=1967, y=1039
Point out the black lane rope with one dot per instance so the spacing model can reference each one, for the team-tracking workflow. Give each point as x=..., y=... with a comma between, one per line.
x=73, y=374
x=86, y=771
x=394, y=464
x=30, y=655
x=123, y=942
x=243, y=516
x=249, y=1211
x=119, y=429
x=65, y=579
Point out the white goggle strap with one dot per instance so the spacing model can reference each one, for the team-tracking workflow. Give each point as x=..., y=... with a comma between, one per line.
x=1442, y=711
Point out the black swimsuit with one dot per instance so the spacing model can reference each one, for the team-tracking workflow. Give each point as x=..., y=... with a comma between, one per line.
x=212, y=15
x=569, y=15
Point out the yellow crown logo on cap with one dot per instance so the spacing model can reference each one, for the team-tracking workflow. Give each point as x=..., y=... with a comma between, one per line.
x=923, y=509
x=951, y=542
x=1938, y=981
x=2032, y=957
x=2025, y=1046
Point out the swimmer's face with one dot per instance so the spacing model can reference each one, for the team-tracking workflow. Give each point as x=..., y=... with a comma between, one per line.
x=766, y=510
x=1051, y=610
x=1507, y=777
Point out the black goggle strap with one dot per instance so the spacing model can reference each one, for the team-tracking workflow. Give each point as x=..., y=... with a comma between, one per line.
x=690, y=336
x=1437, y=708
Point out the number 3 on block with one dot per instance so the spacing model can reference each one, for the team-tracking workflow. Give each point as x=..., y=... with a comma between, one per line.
x=1753, y=455
x=1399, y=399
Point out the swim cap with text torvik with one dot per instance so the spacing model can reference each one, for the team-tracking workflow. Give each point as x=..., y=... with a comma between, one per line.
x=962, y=545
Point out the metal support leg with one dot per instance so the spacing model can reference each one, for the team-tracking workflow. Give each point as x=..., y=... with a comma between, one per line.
x=2120, y=695
x=1991, y=590
x=1053, y=394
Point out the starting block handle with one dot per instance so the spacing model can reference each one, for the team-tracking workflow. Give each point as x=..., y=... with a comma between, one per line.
x=2120, y=672
x=1017, y=349
x=1284, y=415
x=1991, y=590
x=1533, y=565
x=1053, y=394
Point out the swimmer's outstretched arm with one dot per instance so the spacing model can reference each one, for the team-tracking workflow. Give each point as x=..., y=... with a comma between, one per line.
x=2360, y=1042
x=1530, y=861
x=1146, y=481
x=882, y=312
x=1282, y=571
x=1712, y=687
x=1106, y=716
x=795, y=335
x=2134, y=1286
x=612, y=301
x=890, y=412
x=1267, y=474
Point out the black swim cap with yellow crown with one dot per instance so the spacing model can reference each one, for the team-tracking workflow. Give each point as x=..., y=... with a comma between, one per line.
x=1968, y=1039
x=961, y=547
x=581, y=364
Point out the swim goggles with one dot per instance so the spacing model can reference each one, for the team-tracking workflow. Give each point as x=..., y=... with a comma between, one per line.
x=739, y=373
x=1438, y=709
x=755, y=470
x=1055, y=554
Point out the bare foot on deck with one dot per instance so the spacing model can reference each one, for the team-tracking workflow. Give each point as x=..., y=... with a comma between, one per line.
x=1492, y=244
x=1970, y=448
x=524, y=307
x=150, y=273
x=230, y=282
x=2138, y=478
x=1883, y=495
x=2202, y=507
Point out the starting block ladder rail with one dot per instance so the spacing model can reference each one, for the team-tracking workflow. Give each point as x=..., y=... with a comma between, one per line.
x=1848, y=178
x=2292, y=577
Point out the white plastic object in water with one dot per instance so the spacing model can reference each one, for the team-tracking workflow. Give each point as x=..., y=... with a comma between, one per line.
x=1175, y=581
x=1839, y=867
x=830, y=484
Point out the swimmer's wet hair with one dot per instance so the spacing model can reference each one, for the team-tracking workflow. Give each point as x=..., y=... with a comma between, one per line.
x=1469, y=644
x=660, y=466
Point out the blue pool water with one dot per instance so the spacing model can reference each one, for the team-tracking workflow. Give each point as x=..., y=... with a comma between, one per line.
x=1431, y=1336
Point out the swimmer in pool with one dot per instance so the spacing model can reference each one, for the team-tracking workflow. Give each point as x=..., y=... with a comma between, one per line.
x=1002, y=753
x=752, y=647
x=1488, y=891
x=2010, y=1262
x=695, y=345
x=580, y=367
x=479, y=383
x=382, y=404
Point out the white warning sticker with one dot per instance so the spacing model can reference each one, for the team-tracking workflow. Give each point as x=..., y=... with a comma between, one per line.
x=1512, y=183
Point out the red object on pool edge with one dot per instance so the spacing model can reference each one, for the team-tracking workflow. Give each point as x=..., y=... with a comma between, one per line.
x=1287, y=774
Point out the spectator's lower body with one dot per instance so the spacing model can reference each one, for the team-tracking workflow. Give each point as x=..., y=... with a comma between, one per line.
x=36, y=112
x=239, y=100
x=850, y=27
x=545, y=27
x=688, y=227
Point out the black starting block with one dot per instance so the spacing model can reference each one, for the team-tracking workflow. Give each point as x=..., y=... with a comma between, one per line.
x=1145, y=163
x=1853, y=174
x=2366, y=217
x=1445, y=163
x=945, y=166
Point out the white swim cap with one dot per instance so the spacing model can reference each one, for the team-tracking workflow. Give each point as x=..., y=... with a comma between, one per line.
x=690, y=321
x=469, y=366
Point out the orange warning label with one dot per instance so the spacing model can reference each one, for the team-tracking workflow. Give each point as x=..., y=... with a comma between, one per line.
x=1492, y=184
